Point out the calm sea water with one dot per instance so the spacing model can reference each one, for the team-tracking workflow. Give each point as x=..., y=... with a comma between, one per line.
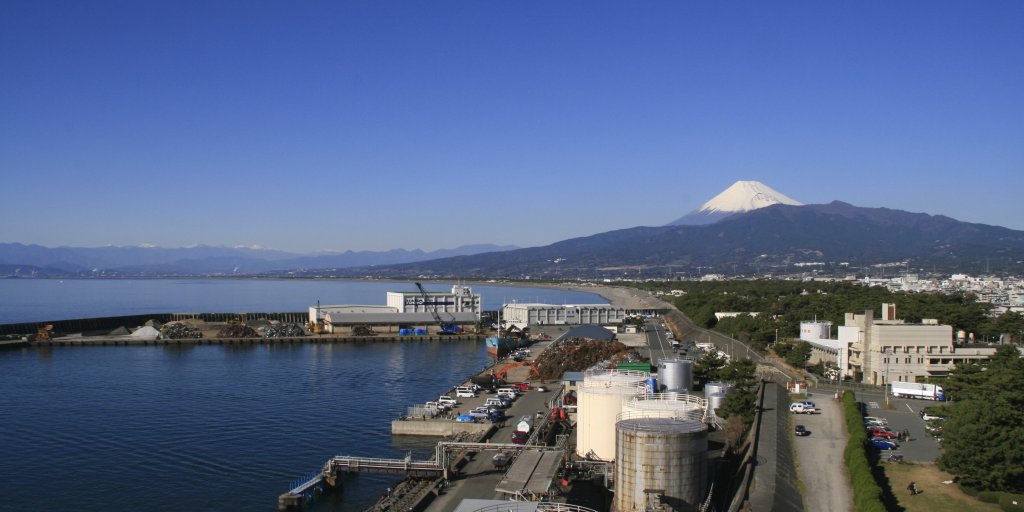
x=219, y=428
x=38, y=300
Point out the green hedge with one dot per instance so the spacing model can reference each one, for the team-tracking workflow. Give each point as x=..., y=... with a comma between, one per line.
x=867, y=495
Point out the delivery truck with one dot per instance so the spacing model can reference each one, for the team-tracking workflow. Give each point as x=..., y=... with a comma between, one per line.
x=917, y=390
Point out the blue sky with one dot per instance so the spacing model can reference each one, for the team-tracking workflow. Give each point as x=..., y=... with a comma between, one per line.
x=373, y=125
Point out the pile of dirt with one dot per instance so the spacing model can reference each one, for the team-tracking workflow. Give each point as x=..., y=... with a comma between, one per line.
x=238, y=331
x=578, y=354
x=178, y=331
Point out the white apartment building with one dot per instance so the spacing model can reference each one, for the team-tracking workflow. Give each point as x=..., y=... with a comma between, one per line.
x=890, y=350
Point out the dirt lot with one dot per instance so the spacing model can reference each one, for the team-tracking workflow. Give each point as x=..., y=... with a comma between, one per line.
x=935, y=496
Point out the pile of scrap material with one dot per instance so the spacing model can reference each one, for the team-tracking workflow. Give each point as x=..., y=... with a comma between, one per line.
x=578, y=354
x=283, y=331
x=238, y=331
x=179, y=331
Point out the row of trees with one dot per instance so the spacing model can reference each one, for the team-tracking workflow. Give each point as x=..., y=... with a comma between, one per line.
x=983, y=435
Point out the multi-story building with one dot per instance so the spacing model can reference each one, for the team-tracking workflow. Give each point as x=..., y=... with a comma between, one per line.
x=523, y=315
x=460, y=300
x=890, y=350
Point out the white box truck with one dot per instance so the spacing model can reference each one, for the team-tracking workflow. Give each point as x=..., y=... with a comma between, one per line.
x=917, y=390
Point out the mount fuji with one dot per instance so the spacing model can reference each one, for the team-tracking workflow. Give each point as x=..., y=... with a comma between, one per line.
x=742, y=196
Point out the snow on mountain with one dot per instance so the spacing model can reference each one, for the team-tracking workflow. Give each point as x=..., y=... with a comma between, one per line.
x=742, y=196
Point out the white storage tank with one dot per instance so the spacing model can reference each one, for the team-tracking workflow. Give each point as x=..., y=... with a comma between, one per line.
x=675, y=375
x=666, y=405
x=600, y=399
x=666, y=454
x=715, y=400
x=712, y=388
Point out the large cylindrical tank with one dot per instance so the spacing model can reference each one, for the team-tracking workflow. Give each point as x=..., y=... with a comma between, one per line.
x=712, y=388
x=664, y=454
x=601, y=396
x=715, y=400
x=666, y=405
x=676, y=375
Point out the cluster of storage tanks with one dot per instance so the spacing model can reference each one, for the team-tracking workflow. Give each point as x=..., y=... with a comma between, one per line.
x=655, y=432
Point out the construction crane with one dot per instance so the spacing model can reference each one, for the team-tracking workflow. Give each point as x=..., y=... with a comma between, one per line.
x=446, y=327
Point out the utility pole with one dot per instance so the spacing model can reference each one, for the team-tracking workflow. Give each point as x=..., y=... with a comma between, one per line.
x=885, y=385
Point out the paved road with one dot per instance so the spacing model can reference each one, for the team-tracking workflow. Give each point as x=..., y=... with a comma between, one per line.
x=821, y=467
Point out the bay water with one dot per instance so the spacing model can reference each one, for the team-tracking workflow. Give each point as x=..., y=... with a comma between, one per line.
x=211, y=427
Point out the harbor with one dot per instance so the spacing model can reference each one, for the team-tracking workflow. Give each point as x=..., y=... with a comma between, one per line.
x=566, y=453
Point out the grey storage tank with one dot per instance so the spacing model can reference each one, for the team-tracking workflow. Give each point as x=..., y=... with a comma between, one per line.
x=659, y=461
x=675, y=375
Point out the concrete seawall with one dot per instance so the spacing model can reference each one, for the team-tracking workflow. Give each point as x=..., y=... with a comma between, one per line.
x=435, y=427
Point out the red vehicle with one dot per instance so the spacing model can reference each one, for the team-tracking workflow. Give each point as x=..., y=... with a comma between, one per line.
x=522, y=386
x=878, y=432
x=520, y=437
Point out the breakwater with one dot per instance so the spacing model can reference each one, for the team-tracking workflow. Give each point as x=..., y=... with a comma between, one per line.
x=107, y=323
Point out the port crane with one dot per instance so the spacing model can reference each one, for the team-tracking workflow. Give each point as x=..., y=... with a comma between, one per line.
x=446, y=327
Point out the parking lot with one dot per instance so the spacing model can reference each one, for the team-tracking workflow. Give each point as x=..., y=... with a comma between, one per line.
x=903, y=413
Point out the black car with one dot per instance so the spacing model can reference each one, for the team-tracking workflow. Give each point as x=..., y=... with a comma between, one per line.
x=801, y=431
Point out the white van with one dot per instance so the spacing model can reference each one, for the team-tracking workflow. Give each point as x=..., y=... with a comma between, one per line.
x=496, y=402
x=510, y=393
x=465, y=391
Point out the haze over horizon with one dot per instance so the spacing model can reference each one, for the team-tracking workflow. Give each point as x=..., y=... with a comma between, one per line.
x=377, y=126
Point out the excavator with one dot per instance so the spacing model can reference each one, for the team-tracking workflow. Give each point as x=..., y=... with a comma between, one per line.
x=505, y=369
x=43, y=333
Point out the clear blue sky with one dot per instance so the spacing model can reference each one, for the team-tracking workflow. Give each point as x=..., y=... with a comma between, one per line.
x=377, y=125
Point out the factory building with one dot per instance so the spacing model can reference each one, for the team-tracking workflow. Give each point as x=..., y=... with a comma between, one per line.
x=393, y=323
x=319, y=313
x=890, y=350
x=525, y=315
x=823, y=348
x=460, y=300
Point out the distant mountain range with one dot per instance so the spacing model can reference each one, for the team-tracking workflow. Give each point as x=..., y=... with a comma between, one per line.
x=834, y=238
x=33, y=260
x=748, y=229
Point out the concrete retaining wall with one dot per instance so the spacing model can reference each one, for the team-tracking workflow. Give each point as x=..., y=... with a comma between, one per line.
x=434, y=427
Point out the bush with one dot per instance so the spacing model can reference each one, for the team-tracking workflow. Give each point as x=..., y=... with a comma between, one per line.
x=867, y=494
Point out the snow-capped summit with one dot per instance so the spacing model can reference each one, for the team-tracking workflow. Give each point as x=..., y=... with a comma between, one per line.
x=742, y=196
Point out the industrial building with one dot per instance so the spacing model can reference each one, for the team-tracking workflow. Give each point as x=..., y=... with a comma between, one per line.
x=394, y=323
x=460, y=300
x=420, y=311
x=890, y=350
x=525, y=315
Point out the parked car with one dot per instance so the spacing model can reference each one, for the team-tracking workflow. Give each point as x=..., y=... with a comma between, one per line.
x=542, y=389
x=445, y=399
x=930, y=417
x=883, y=444
x=879, y=432
x=801, y=431
x=522, y=386
x=465, y=418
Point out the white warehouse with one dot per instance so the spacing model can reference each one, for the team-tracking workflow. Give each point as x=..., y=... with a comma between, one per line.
x=524, y=315
x=460, y=300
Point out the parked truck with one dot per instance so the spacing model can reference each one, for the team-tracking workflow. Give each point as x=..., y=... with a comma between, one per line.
x=917, y=390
